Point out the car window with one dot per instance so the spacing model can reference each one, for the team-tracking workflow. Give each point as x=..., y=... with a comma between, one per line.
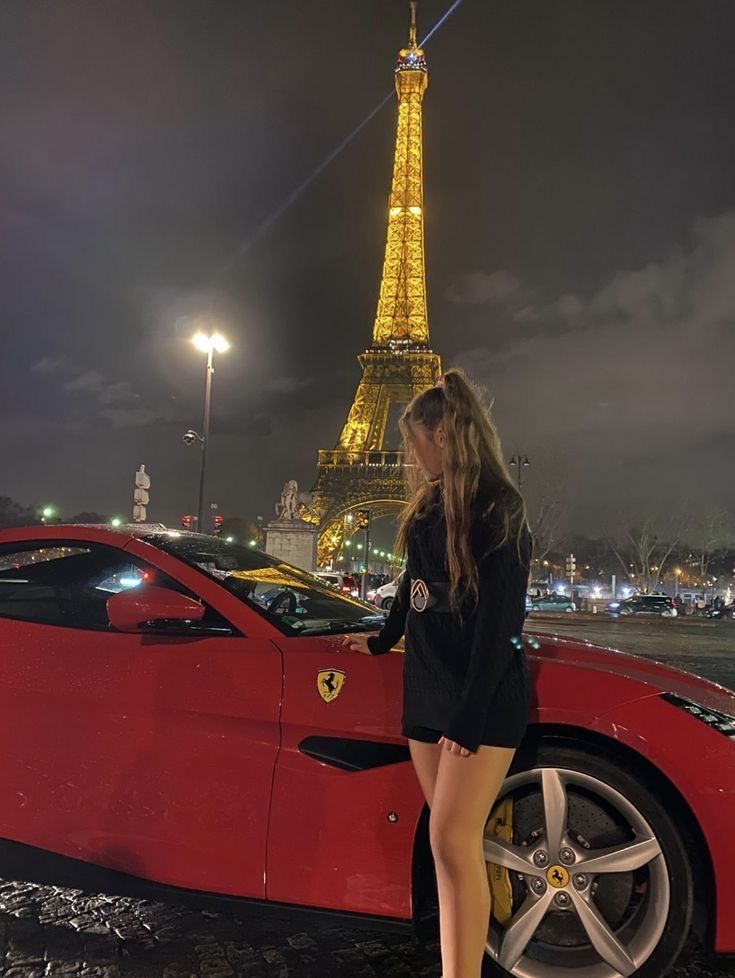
x=296, y=602
x=69, y=584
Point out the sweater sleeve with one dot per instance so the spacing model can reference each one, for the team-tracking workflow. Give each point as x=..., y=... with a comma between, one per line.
x=499, y=618
x=395, y=623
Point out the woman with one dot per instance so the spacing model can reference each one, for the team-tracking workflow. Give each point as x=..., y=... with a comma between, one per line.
x=461, y=601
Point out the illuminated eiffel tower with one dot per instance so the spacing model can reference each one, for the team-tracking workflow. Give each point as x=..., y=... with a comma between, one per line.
x=362, y=470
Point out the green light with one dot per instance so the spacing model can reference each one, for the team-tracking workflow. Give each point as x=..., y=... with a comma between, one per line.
x=47, y=512
x=115, y=521
x=348, y=543
x=229, y=539
x=252, y=543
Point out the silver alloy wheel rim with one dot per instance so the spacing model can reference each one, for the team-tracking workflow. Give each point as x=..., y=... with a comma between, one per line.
x=507, y=945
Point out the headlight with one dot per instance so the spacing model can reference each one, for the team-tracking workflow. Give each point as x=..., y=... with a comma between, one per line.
x=722, y=722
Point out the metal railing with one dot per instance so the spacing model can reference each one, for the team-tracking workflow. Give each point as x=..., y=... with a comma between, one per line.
x=345, y=458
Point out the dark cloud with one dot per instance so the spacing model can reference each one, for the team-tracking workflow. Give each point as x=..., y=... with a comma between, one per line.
x=476, y=288
x=632, y=381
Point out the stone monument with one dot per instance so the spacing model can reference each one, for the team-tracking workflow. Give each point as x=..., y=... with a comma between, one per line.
x=290, y=536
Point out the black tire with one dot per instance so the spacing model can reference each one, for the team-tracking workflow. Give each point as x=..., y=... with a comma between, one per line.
x=661, y=818
x=386, y=603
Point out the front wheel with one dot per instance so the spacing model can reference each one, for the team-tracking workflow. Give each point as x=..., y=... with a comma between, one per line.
x=386, y=604
x=592, y=880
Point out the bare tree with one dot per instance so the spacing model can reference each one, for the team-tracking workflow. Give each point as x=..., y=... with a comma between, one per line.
x=717, y=533
x=544, y=523
x=546, y=503
x=15, y=514
x=643, y=553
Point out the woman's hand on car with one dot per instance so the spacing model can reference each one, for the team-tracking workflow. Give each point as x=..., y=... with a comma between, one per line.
x=355, y=643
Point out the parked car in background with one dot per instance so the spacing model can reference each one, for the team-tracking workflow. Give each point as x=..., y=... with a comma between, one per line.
x=344, y=583
x=383, y=596
x=552, y=602
x=726, y=612
x=643, y=604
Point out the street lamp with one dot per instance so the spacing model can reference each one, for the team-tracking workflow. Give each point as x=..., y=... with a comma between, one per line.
x=520, y=461
x=207, y=343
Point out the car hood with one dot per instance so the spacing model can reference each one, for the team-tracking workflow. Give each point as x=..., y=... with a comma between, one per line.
x=657, y=676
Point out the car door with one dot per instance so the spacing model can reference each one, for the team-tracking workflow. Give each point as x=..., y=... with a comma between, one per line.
x=150, y=754
x=345, y=798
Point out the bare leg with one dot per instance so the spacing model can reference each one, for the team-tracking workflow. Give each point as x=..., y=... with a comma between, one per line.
x=425, y=759
x=464, y=792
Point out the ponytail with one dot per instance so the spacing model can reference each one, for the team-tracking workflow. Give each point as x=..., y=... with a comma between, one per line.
x=473, y=462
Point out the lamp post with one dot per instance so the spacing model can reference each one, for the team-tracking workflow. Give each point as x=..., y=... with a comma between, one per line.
x=366, y=515
x=520, y=461
x=207, y=343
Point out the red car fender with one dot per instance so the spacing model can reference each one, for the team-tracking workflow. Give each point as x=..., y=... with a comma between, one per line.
x=700, y=763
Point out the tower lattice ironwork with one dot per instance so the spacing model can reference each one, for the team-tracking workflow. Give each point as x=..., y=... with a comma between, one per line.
x=361, y=470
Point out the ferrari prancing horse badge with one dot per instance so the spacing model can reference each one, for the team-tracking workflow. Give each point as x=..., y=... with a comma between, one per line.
x=329, y=682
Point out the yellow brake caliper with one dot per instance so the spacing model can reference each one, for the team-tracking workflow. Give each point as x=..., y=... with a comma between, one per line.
x=500, y=823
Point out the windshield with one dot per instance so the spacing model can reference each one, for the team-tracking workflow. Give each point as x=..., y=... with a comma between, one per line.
x=296, y=602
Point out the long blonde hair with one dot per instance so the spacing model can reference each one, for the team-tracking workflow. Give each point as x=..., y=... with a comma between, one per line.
x=473, y=454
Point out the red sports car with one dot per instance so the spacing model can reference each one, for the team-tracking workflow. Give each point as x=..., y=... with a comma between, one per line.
x=176, y=718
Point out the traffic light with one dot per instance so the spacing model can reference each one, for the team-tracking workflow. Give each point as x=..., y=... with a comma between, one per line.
x=217, y=522
x=362, y=519
x=187, y=522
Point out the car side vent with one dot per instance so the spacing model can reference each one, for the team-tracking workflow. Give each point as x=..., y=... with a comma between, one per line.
x=350, y=754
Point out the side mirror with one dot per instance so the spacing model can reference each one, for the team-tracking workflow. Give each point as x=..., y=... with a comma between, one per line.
x=151, y=609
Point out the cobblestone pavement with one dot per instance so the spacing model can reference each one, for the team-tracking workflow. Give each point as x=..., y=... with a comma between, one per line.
x=48, y=931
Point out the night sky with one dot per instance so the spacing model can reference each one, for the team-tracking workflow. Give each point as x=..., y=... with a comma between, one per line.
x=580, y=240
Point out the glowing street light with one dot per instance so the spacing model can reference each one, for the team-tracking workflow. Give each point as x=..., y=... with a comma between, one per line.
x=215, y=342
x=47, y=513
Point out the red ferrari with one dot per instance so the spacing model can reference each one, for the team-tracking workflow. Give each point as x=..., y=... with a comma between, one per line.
x=177, y=720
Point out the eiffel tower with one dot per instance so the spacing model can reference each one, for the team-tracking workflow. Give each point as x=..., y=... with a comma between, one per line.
x=362, y=470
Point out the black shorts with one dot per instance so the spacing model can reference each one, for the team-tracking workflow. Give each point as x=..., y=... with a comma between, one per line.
x=426, y=734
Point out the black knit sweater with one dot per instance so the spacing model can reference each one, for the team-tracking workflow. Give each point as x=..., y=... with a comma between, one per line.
x=466, y=676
